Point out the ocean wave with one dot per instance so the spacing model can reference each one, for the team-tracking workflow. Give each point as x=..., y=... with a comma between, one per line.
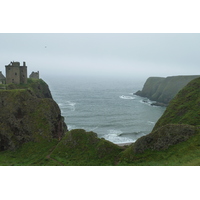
x=115, y=137
x=150, y=123
x=70, y=127
x=147, y=101
x=126, y=97
x=69, y=105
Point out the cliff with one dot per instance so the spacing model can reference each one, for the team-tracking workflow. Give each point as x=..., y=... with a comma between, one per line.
x=28, y=113
x=163, y=90
x=178, y=128
x=184, y=108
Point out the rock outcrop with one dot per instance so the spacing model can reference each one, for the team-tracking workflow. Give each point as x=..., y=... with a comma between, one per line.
x=164, y=137
x=28, y=113
x=163, y=90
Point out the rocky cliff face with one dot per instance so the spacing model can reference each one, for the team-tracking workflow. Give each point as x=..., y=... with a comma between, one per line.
x=163, y=90
x=180, y=121
x=28, y=113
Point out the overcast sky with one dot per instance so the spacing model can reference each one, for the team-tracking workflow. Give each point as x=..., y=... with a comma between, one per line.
x=103, y=54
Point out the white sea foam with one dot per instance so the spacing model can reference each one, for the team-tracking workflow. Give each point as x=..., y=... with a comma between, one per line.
x=62, y=111
x=68, y=105
x=70, y=127
x=114, y=136
x=147, y=102
x=93, y=129
x=126, y=97
x=150, y=122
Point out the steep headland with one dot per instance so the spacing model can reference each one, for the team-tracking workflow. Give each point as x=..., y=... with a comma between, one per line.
x=28, y=113
x=176, y=134
x=163, y=90
x=184, y=108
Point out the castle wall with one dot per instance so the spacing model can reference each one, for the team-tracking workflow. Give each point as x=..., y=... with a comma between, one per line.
x=12, y=74
x=15, y=73
x=23, y=74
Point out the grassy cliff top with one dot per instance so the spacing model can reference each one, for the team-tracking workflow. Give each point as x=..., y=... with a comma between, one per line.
x=184, y=108
x=37, y=86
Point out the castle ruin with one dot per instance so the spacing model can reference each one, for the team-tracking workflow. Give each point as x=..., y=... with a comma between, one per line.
x=34, y=75
x=15, y=73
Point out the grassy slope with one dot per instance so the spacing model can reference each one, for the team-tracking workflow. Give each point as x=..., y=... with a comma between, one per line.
x=184, y=108
x=36, y=154
x=184, y=153
x=85, y=148
x=30, y=154
x=76, y=148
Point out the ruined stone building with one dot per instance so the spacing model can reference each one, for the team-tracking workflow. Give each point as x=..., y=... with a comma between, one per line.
x=2, y=78
x=15, y=73
x=34, y=75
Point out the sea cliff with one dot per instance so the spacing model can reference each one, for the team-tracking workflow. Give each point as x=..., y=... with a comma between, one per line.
x=176, y=135
x=163, y=90
x=28, y=113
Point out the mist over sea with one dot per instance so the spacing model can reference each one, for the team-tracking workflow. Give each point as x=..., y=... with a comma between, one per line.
x=106, y=106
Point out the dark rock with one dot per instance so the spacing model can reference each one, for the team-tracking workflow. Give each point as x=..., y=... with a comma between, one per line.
x=159, y=104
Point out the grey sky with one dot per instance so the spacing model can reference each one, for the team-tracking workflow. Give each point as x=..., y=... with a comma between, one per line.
x=103, y=54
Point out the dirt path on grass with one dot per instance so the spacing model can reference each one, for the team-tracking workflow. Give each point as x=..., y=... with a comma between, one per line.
x=49, y=157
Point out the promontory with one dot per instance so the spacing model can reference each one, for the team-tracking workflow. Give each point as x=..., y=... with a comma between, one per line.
x=163, y=90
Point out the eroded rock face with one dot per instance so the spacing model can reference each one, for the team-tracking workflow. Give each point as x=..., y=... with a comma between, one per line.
x=27, y=116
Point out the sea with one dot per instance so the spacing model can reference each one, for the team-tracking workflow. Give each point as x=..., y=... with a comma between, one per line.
x=106, y=106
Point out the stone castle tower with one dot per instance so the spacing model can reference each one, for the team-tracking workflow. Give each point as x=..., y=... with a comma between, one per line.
x=15, y=73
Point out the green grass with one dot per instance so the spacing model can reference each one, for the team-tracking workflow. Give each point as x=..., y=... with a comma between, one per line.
x=184, y=108
x=29, y=154
x=101, y=153
x=181, y=154
x=84, y=148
